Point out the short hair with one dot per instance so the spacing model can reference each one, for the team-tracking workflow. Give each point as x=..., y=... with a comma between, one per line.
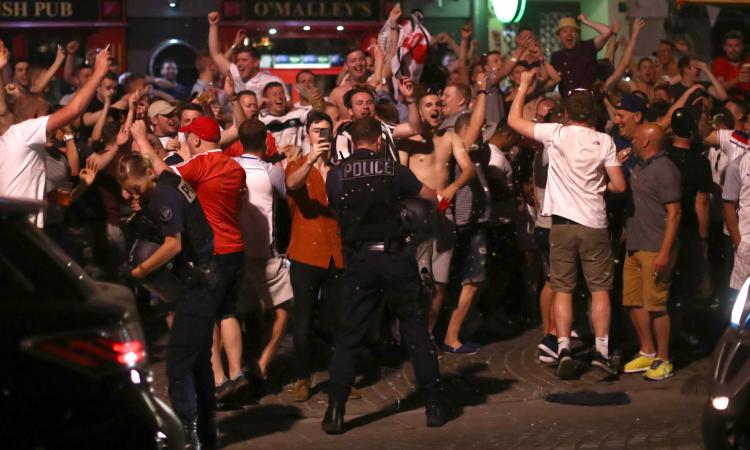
x=658, y=110
x=684, y=62
x=248, y=92
x=668, y=43
x=724, y=117
x=202, y=61
x=21, y=60
x=742, y=107
x=524, y=27
x=252, y=133
x=168, y=61
x=463, y=89
x=26, y=106
x=188, y=106
x=387, y=111
x=110, y=131
x=580, y=107
x=643, y=60
x=353, y=50
x=111, y=76
x=356, y=90
x=365, y=131
x=296, y=77
x=270, y=86
x=82, y=67
x=424, y=95
x=252, y=51
x=462, y=122
x=315, y=116
x=486, y=57
x=733, y=34
x=133, y=165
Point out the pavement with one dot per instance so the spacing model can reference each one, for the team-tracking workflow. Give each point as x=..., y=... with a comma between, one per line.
x=497, y=400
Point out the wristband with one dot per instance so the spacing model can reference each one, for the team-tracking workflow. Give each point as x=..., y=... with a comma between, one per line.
x=68, y=137
x=513, y=59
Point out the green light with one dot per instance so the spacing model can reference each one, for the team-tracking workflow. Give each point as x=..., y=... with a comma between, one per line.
x=521, y=11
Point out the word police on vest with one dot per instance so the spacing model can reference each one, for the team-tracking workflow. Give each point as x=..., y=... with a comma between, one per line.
x=369, y=168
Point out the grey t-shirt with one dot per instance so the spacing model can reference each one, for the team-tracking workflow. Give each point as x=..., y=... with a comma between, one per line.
x=654, y=183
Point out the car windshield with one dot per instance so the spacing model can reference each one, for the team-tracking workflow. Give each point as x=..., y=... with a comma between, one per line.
x=28, y=268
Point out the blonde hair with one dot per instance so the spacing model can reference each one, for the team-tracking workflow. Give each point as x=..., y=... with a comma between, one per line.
x=133, y=166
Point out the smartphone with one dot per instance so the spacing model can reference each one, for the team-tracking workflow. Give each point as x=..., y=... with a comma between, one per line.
x=325, y=134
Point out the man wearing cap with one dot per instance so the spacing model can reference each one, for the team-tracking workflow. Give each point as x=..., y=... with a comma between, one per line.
x=697, y=182
x=575, y=63
x=162, y=117
x=219, y=182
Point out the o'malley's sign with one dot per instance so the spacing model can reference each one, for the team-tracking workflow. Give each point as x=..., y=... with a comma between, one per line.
x=312, y=10
x=80, y=10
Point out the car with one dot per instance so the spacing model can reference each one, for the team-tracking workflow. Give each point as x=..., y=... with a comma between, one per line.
x=74, y=363
x=726, y=416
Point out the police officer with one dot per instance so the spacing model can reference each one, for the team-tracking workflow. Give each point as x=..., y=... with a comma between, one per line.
x=172, y=205
x=364, y=191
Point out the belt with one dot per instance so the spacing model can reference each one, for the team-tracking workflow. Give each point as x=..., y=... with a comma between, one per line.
x=387, y=246
x=557, y=220
x=375, y=246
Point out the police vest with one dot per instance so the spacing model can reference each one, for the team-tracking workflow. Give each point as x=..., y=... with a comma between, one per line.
x=369, y=204
x=197, y=236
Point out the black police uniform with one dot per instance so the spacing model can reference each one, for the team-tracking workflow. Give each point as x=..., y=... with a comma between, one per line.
x=173, y=206
x=364, y=192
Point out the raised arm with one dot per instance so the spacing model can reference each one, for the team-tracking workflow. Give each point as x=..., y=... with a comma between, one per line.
x=80, y=101
x=627, y=56
x=612, y=42
x=96, y=133
x=40, y=84
x=414, y=125
x=238, y=115
x=239, y=38
x=138, y=131
x=716, y=89
x=603, y=30
x=222, y=63
x=390, y=52
x=463, y=54
x=70, y=62
x=474, y=131
x=515, y=116
x=666, y=121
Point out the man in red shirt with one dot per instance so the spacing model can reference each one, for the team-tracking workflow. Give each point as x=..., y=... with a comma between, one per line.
x=219, y=182
x=731, y=68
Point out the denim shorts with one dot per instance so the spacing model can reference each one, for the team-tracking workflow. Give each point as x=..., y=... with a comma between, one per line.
x=470, y=255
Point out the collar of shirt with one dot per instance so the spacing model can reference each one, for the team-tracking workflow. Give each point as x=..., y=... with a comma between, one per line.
x=646, y=162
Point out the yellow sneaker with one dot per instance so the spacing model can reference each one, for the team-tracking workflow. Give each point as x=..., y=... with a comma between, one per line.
x=641, y=363
x=659, y=370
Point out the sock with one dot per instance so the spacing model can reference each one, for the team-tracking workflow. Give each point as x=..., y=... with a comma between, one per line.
x=602, y=345
x=563, y=343
x=648, y=355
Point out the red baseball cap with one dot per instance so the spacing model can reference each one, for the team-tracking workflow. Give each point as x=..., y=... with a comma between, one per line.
x=205, y=128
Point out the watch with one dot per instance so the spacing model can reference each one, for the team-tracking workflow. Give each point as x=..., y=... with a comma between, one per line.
x=68, y=137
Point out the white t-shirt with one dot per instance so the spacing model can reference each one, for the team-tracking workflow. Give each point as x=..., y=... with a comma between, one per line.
x=733, y=143
x=500, y=172
x=255, y=84
x=23, y=162
x=577, y=178
x=737, y=189
x=265, y=184
x=288, y=129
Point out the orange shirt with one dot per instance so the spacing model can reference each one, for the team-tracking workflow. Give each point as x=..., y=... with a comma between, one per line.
x=315, y=237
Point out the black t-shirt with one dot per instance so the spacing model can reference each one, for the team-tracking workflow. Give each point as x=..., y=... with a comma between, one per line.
x=695, y=171
x=85, y=131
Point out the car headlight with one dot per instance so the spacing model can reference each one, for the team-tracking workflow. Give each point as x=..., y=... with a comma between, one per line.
x=739, y=315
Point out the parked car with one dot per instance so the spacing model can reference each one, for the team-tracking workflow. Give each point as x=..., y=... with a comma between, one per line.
x=74, y=371
x=726, y=417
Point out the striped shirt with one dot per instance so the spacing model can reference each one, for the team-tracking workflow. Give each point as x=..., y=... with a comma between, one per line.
x=345, y=145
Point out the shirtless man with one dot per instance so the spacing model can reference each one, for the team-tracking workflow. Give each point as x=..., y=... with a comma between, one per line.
x=429, y=156
x=646, y=79
x=356, y=69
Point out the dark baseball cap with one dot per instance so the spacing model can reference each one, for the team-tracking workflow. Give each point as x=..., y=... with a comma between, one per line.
x=633, y=103
x=205, y=128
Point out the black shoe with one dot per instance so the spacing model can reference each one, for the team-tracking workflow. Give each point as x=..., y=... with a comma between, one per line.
x=566, y=367
x=436, y=416
x=333, y=421
x=604, y=363
x=192, y=441
x=548, y=345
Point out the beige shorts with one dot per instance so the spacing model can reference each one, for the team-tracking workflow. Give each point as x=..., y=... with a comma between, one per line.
x=570, y=243
x=267, y=280
x=435, y=254
x=641, y=288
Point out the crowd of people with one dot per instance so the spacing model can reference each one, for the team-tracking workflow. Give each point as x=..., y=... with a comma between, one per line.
x=564, y=187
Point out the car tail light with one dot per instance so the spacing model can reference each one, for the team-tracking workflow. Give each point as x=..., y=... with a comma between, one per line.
x=95, y=352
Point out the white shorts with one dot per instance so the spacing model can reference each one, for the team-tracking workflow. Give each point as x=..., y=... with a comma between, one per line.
x=267, y=280
x=435, y=254
x=741, y=266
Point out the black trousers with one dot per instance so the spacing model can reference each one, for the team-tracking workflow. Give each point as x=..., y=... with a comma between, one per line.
x=369, y=276
x=307, y=284
x=191, y=380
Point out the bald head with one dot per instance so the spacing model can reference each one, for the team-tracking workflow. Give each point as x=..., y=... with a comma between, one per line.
x=648, y=140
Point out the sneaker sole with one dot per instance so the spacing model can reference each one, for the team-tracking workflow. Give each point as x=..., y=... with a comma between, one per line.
x=547, y=350
x=635, y=370
x=604, y=367
x=566, y=369
x=547, y=360
x=670, y=375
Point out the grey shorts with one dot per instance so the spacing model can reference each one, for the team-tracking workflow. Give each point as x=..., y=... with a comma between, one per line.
x=435, y=254
x=570, y=243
